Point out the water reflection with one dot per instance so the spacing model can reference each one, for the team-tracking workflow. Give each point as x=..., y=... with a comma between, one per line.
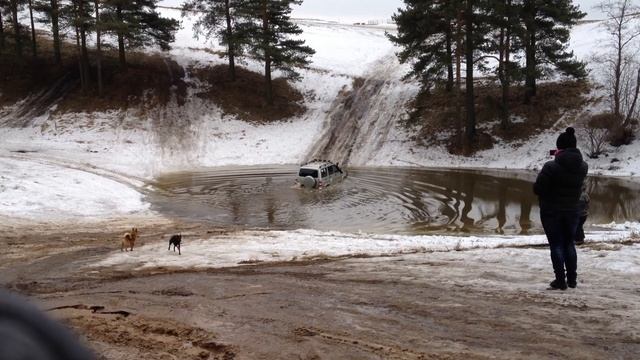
x=381, y=200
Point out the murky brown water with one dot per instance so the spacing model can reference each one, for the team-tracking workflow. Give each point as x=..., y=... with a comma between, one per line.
x=378, y=200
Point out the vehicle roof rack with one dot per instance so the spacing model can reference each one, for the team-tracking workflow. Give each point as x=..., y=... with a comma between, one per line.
x=317, y=160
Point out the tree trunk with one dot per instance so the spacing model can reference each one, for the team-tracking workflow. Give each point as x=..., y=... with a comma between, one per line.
x=618, y=65
x=470, y=128
x=55, y=29
x=506, y=83
x=449, y=36
x=121, y=54
x=501, y=77
x=459, y=72
x=83, y=44
x=34, y=46
x=632, y=109
x=98, y=47
x=267, y=56
x=230, y=42
x=83, y=82
x=501, y=55
x=505, y=54
x=1, y=32
x=530, y=71
x=16, y=27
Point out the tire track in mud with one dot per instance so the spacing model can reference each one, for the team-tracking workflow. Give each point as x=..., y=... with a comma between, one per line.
x=177, y=126
x=385, y=351
x=27, y=110
x=137, y=183
x=134, y=336
x=361, y=119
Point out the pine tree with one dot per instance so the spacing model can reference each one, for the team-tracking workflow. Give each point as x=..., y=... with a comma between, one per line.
x=426, y=33
x=138, y=24
x=3, y=7
x=469, y=49
x=15, y=6
x=547, y=25
x=98, y=26
x=502, y=16
x=77, y=17
x=220, y=19
x=83, y=24
x=275, y=39
x=50, y=10
x=55, y=30
x=34, y=47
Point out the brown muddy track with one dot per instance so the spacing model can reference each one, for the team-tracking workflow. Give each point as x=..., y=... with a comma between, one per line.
x=406, y=307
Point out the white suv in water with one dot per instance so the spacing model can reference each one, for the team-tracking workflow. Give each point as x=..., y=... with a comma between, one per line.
x=319, y=174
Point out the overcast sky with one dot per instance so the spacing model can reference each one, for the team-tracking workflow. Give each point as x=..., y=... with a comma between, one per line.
x=362, y=10
x=365, y=9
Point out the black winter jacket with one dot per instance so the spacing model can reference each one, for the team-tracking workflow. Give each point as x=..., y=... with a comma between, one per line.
x=559, y=183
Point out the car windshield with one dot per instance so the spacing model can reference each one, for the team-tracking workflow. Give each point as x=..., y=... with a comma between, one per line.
x=308, y=172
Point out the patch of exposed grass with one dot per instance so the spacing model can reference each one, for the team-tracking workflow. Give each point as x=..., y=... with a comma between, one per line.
x=245, y=97
x=436, y=113
x=148, y=81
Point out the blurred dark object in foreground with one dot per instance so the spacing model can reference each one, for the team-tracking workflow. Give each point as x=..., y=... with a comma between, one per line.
x=27, y=334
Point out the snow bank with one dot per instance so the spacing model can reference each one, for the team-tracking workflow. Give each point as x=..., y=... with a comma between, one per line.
x=274, y=246
x=29, y=189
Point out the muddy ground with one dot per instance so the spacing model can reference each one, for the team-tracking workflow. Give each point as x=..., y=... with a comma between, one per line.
x=418, y=306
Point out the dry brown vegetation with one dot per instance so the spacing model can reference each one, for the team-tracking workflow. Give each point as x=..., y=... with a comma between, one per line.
x=21, y=77
x=245, y=96
x=436, y=113
x=149, y=81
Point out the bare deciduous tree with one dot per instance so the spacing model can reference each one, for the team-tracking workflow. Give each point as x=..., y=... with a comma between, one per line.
x=598, y=129
x=597, y=138
x=619, y=65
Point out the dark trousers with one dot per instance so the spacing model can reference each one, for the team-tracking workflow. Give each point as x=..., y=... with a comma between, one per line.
x=580, y=232
x=560, y=228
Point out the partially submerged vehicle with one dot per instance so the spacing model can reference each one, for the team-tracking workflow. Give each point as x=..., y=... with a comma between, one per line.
x=317, y=174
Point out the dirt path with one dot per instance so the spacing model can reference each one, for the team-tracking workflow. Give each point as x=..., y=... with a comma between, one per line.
x=451, y=305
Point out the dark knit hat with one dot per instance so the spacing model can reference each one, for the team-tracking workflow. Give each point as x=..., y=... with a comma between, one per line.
x=567, y=139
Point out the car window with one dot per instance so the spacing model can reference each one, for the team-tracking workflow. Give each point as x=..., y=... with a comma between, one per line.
x=331, y=170
x=323, y=171
x=308, y=172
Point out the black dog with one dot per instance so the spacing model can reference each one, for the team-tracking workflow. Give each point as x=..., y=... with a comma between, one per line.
x=175, y=241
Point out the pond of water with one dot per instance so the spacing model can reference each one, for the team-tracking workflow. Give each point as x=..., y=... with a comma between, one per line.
x=378, y=200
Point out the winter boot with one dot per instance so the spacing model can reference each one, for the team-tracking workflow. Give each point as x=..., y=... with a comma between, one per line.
x=558, y=285
x=571, y=279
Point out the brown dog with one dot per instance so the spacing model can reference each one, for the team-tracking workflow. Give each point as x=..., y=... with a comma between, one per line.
x=128, y=239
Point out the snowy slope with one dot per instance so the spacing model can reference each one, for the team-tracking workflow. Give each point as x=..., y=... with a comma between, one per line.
x=125, y=144
x=343, y=52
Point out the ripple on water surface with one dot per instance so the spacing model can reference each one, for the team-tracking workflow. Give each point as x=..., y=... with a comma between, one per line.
x=378, y=200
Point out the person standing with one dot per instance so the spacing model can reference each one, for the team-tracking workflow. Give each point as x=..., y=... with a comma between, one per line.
x=583, y=212
x=558, y=186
